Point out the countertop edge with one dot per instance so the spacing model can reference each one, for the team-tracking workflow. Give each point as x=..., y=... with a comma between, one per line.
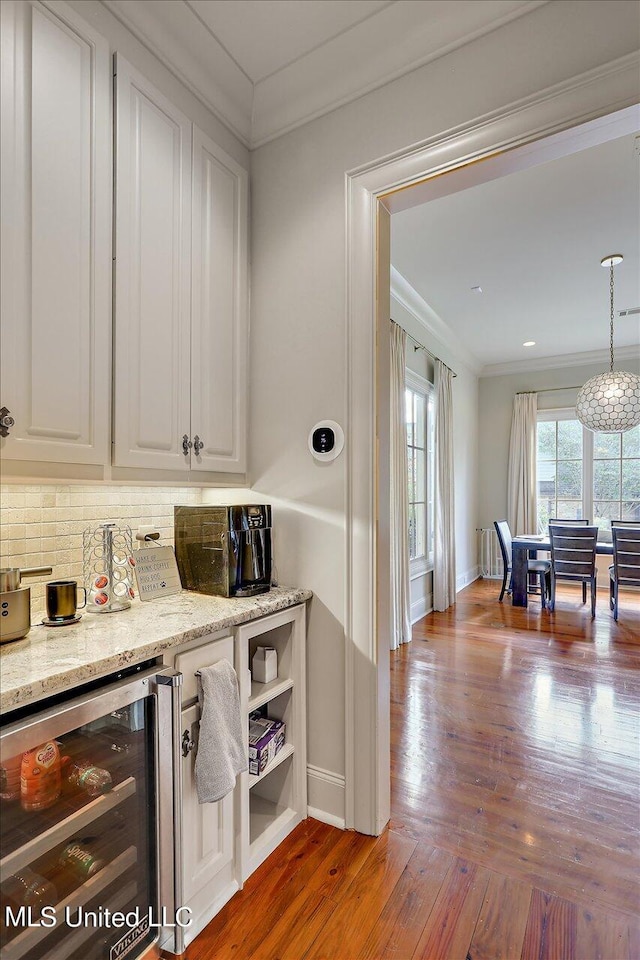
x=61, y=679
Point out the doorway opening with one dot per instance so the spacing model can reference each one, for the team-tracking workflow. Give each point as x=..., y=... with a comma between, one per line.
x=585, y=112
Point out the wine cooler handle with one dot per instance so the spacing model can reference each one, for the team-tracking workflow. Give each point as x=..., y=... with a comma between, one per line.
x=168, y=689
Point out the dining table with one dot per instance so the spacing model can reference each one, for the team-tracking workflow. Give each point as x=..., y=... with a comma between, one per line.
x=526, y=546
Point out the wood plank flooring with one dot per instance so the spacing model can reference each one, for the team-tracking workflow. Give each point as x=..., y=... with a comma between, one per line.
x=515, y=828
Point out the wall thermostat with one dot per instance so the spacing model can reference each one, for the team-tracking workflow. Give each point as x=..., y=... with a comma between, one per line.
x=326, y=440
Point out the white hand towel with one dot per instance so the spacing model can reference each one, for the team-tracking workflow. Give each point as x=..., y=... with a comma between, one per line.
x=220, y=755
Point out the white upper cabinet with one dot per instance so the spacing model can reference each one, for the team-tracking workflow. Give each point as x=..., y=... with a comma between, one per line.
x=181, y=289
x=218, y=308
x=56, y=234
x=152, y=276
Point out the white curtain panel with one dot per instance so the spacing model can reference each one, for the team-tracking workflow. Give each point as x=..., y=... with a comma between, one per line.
x=400, y=588
x=521, y=476
x=444, y=545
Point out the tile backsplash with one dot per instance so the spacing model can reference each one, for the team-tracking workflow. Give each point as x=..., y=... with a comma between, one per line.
x=42, y=525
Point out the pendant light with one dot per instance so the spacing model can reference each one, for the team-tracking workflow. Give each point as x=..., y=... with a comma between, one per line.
x=610, y=402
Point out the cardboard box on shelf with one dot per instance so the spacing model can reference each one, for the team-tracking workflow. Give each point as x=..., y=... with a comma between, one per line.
x=266, y=739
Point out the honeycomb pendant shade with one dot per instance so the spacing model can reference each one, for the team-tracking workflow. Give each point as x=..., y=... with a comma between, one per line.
x=610, y=402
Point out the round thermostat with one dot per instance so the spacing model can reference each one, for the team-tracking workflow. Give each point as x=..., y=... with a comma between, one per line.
x=326, y=440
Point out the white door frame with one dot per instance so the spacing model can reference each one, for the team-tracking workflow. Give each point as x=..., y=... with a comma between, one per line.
x=589, y=97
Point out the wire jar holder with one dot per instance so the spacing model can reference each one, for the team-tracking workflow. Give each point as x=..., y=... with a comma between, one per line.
x=108, y=568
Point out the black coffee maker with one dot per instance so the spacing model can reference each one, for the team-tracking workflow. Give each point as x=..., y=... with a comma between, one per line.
x=224, y=551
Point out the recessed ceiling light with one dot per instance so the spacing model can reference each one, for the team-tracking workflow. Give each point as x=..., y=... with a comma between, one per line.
x=529, y=343
x=476, y=289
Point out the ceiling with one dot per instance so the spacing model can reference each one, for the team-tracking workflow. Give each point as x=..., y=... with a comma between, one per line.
x=533, y=241
x=266, y=66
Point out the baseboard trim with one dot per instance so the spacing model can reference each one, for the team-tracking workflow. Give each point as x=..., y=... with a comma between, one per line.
x=462, y=581
x=421, y=607
x=326, y=793
x=325, y=817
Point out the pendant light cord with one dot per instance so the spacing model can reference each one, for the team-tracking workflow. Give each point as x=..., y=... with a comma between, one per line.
x=611, y=292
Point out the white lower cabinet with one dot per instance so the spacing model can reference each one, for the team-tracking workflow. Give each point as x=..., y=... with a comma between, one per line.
x=224, y=842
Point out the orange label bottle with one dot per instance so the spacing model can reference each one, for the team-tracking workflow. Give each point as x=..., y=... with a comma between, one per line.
x=40, y=776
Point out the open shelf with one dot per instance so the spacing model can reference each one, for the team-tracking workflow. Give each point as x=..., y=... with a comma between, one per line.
x=282, y=755
x=266, y=818
x=261, y=693
x=26, y=940
x=64, y=829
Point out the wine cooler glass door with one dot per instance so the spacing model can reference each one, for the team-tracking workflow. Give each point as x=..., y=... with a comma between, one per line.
x=79, y=826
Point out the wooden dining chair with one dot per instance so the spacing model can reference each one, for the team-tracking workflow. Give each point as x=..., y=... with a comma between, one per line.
x=573, y=558
x=625, y=569
x=560, y=520
x=541, y=568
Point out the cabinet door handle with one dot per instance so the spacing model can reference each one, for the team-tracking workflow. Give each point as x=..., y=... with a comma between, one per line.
x=198, y=444
x=6, y=421
x=188, y=743
x=186, y=445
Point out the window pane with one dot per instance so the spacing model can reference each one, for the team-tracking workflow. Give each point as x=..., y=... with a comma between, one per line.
x=607, y=510
x=570, y=479
x=569, y=510
x=569, y=439
x=631, y=443
x=412, y=532
x=631, y=479
x=631, y=510
x=547, y=440
x=420, y=408
x=606, y=446
x=420, y=529
x=547, y=479
x=606, y=479
x=411, y=470
x=546, y=509
x=408, y=408
x=421, y=489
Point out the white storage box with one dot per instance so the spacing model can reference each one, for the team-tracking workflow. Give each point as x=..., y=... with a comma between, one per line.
x=264, y=666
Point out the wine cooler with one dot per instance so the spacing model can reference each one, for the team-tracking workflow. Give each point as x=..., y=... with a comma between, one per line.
x=87, y=809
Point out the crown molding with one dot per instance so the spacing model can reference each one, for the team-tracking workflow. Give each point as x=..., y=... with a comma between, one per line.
x=557, y=363
x=216, y=80
x=431, y=323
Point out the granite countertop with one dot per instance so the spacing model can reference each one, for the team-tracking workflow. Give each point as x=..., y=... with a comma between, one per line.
x=53, y=659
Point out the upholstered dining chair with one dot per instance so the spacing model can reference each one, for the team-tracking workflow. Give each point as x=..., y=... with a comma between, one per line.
x=541, y=568
x=573, y=558
x=569, y=523
x=625, y=569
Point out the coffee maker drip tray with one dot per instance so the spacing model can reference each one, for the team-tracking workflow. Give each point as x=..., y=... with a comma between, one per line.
x=251, y=590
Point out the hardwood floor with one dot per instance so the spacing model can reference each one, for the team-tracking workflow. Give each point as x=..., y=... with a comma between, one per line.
x=515, y=826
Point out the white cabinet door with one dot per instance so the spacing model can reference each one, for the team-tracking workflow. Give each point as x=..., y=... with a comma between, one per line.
x=56, y=234
x=208, y=829
x=152, y=276
x=218, y=309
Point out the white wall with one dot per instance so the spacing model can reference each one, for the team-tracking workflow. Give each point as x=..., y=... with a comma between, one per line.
x=298, y=337
x=496, y=405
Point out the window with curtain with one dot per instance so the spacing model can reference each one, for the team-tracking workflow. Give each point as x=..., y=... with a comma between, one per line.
x=585, y=474
x=420, y=463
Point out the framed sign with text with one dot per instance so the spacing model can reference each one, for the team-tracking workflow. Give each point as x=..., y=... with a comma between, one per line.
x=156, y=572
